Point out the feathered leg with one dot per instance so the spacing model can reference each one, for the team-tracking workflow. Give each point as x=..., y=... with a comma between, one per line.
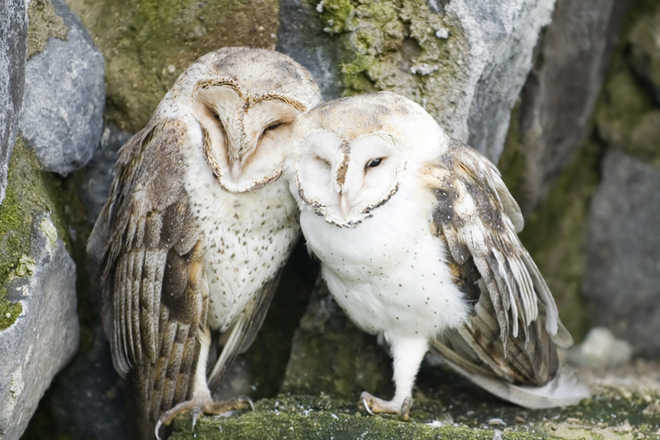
x=407, y=353
x=201, y=400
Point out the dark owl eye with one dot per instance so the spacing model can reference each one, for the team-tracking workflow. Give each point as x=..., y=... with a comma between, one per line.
x=273, y=126
x=373, y=163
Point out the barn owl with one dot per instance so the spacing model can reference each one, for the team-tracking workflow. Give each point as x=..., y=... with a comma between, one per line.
x=417, y=238
x=197, y=227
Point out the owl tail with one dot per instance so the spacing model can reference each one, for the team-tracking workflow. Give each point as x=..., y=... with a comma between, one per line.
x=563, y=390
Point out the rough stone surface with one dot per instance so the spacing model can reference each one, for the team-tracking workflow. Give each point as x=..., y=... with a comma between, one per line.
x=622, y=281
x=450, y=409
x=464, y=62
x=301, y=37
x=86, y=400
x=645, y=45
x=64, y=101
x=98, y=174
x=148, y=43
x=45, y=336
x=13, y=28
x=330, y=355
x=502, y=37
x=560, y=94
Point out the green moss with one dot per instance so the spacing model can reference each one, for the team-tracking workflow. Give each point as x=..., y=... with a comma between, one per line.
x=29, y=191
x=392, y=45
x=336, y=14
x=44, y=23
x=305, y=417
x=461, y=414
x=148, y=43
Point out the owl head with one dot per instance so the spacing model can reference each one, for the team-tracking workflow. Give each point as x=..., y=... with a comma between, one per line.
x=244, y=101
x=352, y=155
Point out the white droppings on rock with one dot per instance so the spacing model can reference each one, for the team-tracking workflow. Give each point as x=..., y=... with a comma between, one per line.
x=423, y=69
x=601, y=349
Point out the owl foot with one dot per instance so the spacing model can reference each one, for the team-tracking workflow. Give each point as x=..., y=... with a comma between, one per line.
x=374, y=405
x=198, y=407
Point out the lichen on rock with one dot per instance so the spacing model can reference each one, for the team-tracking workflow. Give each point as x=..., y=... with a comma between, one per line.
x=148, y=43
x=392, y=45
x=44, y=24
x=29, y=191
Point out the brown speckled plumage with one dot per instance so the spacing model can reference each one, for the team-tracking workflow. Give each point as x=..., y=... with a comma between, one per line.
x=197, y=227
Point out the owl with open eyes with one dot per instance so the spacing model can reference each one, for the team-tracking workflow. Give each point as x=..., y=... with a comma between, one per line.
x=417, y=238
x=197, y=228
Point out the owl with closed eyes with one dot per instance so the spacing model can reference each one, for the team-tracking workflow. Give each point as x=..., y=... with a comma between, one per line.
x=417, y=238
x=197, y=228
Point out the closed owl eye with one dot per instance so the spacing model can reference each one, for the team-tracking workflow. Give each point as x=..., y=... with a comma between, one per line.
x=373, y=163
x=273, y=126
x=325, y=162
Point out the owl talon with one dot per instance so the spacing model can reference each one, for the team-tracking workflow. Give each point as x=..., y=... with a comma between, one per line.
x=374, y=405
x=366, y=407
x=199, y=407
x=404, y=413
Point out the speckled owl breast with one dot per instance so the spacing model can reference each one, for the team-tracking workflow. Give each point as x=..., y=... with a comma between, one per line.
x=246, y=237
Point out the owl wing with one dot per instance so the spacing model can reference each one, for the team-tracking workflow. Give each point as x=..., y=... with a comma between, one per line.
x=514, y=329
x=154, y=297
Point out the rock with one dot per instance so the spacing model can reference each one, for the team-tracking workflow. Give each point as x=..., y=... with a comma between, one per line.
x=330, y=355
x=63, y=108
x=622, y=280
x=147, y=44
x=645, y=50
x=86, y=400
x=600, y=349
x=468, y=81
x=98, y=174
x=13, y=28
x=301, y=36
x=45, y=335
x=558, y=99
x=628, y=119
x=611, y=416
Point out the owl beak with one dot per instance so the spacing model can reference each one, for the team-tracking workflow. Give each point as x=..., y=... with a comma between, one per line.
x=344, y=204
x=236, y=170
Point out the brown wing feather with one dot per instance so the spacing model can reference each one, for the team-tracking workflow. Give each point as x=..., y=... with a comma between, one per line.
x=154, y=298
x=514, y=328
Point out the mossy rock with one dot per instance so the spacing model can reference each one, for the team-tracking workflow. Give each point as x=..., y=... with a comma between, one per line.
x=30, y=191
x=44, y=24
x=148, y=43
x=455, y=413
x=401, y=46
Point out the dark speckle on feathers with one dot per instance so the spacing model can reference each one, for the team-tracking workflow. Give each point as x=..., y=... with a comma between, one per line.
x=506, y=335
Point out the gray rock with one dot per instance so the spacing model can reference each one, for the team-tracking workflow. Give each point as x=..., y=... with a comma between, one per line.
x=501, y=38
x=86, y=399
x=559, y=96
x=600, y=349
x=301, y=36
x=45, y=336
x=622, y=280
x=63, y=107
x=645, y=50
x=13, y=28
x=98, y=174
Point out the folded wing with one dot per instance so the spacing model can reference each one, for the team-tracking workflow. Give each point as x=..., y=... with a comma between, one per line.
x=511, y=336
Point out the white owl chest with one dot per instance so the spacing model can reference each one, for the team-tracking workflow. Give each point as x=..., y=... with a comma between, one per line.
x=388, y=273
x=247, y=238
